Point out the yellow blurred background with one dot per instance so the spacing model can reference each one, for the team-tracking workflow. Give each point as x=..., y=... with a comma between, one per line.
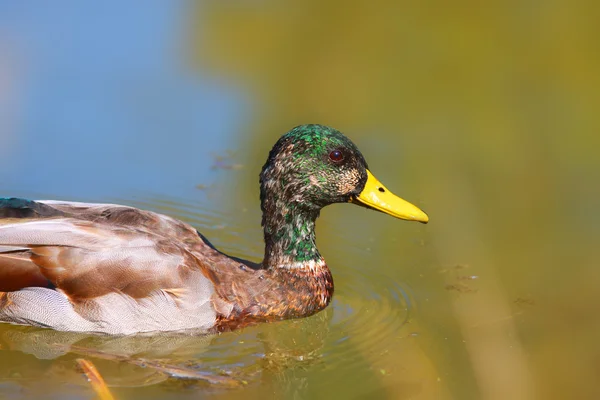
x=488, y=113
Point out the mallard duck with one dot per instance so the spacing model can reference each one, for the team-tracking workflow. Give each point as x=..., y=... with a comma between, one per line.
x=114, y=269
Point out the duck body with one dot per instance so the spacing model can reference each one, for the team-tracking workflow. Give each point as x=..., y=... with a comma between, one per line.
x=115, y=269
x=120, y=270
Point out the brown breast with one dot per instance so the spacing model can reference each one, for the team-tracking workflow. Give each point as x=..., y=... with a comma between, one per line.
x=245, y=296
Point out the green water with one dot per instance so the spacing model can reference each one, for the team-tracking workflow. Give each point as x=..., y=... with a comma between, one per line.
x=486, y=116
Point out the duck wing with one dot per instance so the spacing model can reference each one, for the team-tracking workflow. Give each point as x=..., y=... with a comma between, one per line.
x=118, y=268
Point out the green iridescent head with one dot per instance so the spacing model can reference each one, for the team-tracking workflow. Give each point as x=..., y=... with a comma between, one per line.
x=312, y=166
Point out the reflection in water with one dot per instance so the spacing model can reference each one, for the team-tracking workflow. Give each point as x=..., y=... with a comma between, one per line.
x=128, y=361
x=223, y=361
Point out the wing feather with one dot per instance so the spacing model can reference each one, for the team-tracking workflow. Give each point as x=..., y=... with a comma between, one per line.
x=87, y=258
x=102, y=268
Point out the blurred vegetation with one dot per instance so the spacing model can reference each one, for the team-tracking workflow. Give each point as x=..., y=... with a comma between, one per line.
x=486, y=114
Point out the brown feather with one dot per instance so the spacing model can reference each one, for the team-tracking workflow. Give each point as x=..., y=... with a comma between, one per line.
x=90, y=253
x=17, y=271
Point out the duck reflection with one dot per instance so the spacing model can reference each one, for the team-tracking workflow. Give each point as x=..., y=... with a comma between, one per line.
x=256, y=354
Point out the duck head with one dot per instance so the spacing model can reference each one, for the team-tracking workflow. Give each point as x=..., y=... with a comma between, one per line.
x=312, y=166
x=309, y=168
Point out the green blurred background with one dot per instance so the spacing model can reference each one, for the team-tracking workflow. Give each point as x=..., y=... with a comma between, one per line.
x=483, y=113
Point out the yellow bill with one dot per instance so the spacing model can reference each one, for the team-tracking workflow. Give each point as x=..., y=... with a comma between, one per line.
x=375, y=195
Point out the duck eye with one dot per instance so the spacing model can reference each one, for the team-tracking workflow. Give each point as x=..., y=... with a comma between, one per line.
x=336, y=156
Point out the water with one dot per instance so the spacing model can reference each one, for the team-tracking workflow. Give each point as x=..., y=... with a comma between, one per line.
x=486, y=117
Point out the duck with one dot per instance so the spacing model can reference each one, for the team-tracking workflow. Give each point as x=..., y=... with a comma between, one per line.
x=119, y=270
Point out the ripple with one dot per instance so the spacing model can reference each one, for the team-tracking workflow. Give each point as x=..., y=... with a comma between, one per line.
x=370, y=312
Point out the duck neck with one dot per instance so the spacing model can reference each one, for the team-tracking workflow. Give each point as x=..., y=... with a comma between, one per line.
x=289, y=232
